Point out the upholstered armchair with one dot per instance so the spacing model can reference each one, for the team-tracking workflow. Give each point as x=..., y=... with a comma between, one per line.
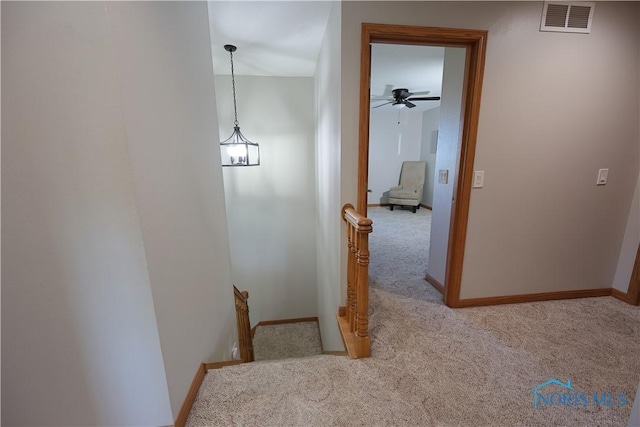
x=409, y=192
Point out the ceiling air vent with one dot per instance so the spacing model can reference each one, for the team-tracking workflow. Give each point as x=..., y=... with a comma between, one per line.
x=567, y=17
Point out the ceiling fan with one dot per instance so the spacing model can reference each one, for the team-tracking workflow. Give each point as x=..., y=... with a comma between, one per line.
x=402, y=97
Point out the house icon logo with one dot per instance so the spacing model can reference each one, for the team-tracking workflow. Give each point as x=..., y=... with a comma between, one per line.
x=537, y=390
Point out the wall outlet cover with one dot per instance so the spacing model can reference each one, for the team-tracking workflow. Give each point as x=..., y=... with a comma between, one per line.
x=443, y=176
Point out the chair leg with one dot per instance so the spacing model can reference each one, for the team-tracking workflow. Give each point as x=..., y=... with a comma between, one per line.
x=390, y=207
x=414, y=209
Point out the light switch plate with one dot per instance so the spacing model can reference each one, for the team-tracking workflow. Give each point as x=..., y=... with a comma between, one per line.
x=443, y=176
x=478, y=179
x=602, y=176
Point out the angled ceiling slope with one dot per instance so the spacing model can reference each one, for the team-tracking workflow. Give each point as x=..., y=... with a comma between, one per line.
x=274, y=38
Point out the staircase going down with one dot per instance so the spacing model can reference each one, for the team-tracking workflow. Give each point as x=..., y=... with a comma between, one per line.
x=430, y=364
x=284, y=341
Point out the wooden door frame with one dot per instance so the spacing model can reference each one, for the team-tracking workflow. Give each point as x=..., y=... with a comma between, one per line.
x=475, y=42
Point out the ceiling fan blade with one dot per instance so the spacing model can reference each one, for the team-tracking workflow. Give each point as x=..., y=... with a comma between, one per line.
x=425, y=98
x=381, y=105
x=424, y=92
x=387, y=95
x=409, y=104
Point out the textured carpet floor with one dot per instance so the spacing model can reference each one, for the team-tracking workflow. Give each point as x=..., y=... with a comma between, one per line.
x=399, y=249
x=431, y=365
x=274, y=342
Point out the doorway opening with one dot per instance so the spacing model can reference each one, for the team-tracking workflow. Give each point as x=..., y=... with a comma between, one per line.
x=406, y=92
x=474, y=44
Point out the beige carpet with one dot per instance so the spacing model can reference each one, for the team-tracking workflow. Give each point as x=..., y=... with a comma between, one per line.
x=432, y=365
x=274, y=342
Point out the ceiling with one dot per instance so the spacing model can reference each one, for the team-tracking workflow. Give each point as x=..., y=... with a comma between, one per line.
x=274, y=38
x=283, y=39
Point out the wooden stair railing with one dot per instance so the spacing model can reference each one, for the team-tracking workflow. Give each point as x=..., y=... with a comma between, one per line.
x=244, y=326
x=353, y=319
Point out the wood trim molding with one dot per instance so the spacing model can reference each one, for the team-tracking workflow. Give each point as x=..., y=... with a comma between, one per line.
x=320, y=336
x=433, y=282
x=347, y=336
x=342, y=311
x=426, y=207
x=544, y=296
x=191, y=396
x=618, y=294
x=475, y=42
x=285, y=321
x=185, y=409
x=633, y=293
x=476, y=51
x=363, y=122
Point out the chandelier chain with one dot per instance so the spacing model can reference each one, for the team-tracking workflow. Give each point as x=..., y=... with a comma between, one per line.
x=233, y=84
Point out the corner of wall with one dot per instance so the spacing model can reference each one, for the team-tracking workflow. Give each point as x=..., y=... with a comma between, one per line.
x=328, y=173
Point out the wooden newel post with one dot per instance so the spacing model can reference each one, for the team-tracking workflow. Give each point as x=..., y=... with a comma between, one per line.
x=351, y=278
x=244, y=325
x=353, y=319
x=363, y=343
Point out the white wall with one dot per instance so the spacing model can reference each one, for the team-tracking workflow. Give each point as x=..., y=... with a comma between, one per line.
x=429, y=144
x=81, y=345
x=631, y=239
x=164, y=64
x=629, y=247
x=540, y=222
x=117, y=277
x=329, y=238
x=394, y=136
x=0, y=226
x=447, y=155
x=271, y=207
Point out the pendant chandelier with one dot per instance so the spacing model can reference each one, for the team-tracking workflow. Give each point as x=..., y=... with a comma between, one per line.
x=238, y=150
